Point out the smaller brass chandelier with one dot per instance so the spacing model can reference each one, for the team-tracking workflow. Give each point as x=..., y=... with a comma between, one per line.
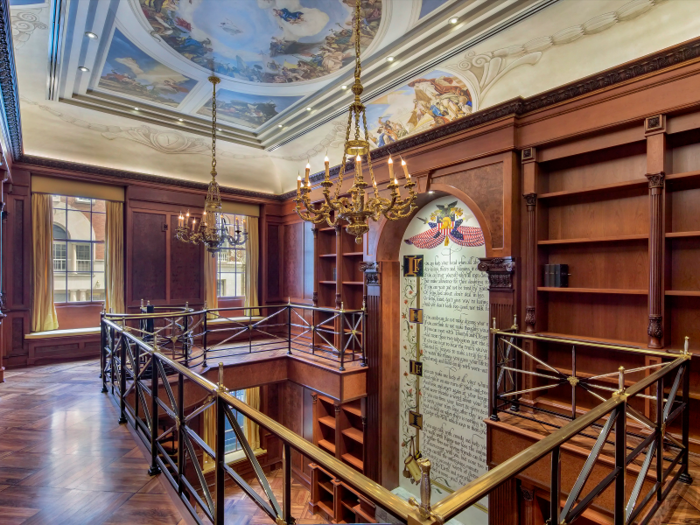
x=213, y=230
x=356, y=210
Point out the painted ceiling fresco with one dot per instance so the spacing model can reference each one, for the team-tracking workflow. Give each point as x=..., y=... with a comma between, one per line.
x=428, y=6
x=430, y=100
x=246, y=110
x=267, y=41
x=130, y=71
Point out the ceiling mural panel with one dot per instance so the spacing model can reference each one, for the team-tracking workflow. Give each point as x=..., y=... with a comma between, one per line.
x=428, y=6
x=130, y=71
x=246, y=110
x=267, y=41
x=430, y=100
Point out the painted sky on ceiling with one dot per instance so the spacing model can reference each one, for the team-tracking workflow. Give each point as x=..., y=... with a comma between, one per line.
x=130, y=71
x=270, y=41
x=246, y=110
x=427, y=101
x=428, y=6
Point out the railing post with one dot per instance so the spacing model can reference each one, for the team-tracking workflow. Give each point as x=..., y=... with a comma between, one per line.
x=137, y=364
x=685, y=476
x=555, y=487
x=619, y=515
x=289, y=329
x=111, y=358
x=122, y=382
x=154, y=469
x=185, y=338
x=220, y=453
x=180, y=431
x=103, y=355
x=660, y=427
x=573, y=382
x=362, y=334
x=493, y=398
x=341, y=337
x=287, y=497
x=204, y=336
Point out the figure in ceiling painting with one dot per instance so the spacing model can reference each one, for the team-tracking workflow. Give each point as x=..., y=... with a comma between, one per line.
x=271, y=41
x=434, y=99
x=130, y=71
x=247, y=110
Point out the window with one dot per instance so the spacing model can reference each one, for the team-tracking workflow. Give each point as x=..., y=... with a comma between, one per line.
x=78, y=249
x=230, y=263
x=231, y=441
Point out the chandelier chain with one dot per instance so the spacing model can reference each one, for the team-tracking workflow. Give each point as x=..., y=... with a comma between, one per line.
x=213, y=129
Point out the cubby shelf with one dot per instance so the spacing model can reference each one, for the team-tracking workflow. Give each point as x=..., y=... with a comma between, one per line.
x=326, y=282
x=328, y=421
x=352, y=460
x=617, y=291
x=330, y=447
x=353, y=410
x=689, y=177
x=635, y=237
x=680, y=235
x=684, y=293
x=329, y=255
x=354, y=434
x=353, y=254
x=353, y=283
x=636, y=184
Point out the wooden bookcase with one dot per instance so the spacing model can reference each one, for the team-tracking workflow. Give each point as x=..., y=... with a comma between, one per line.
x=339, y=429
x=594, y=211
x=337, y=500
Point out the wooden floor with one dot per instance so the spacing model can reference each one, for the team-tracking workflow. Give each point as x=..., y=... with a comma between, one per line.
x=64, y=459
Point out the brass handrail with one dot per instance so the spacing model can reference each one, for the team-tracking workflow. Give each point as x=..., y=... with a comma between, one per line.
x=584, y=342
x=373, y=490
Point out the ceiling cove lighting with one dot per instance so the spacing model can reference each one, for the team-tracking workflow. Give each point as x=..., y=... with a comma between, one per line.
x=91, y=35
x=213, y=230
x=356, y=210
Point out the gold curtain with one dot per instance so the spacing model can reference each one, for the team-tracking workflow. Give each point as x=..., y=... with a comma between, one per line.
x=210, y=291
x=252, y=430
x=114, y=258
x=251, y=265
x=43, y=310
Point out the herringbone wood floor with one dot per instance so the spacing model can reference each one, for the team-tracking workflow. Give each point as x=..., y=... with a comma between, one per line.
x=64, y=459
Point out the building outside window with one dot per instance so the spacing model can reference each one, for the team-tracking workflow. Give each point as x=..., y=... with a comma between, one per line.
x=231, y=441
x=230, y=264
x=78, y=249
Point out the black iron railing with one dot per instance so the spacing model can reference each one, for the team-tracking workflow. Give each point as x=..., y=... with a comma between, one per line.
x=150, y=383
x=517, y=373
x=192, y=337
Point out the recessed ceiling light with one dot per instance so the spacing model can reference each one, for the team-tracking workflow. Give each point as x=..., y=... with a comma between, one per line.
x=308, y=109
x=91, y=35
x=136, y=108
x=218, y=129
x=454, y=20
x=279, y=125
x=83, y=69
x=343, y=87
x=431, y=192
x=389, y=59
x=180, y=119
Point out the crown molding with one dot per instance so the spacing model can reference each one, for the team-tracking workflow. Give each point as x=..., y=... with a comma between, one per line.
x=30, y=161
x=9, y=92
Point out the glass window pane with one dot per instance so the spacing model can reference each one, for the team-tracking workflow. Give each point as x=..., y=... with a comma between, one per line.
x=78, y=225
x=59, y=286
x=79, y=284
x=79, y=259
x=58, y=202
x=98, y=254
x=79, y=203
x=59, y=256
x=98, y=286
x=59, y=224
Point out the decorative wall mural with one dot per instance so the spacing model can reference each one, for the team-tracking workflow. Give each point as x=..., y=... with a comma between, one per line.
x=270, y=41
x=245, y=109
x=445, y=224
x=428, y=6
x=431, y=100
x=130, y=71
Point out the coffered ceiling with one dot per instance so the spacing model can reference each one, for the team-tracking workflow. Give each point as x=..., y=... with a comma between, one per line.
x=123, y=83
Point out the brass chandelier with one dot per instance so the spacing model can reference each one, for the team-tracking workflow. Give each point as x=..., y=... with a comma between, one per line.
x=213, y=230
x=356, y=210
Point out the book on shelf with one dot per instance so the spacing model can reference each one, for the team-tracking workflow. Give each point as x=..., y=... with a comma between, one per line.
x=556, y=275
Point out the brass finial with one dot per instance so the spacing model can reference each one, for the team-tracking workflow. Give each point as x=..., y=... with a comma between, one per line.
x=621, y=380
x=686, y=345
x=221, y=375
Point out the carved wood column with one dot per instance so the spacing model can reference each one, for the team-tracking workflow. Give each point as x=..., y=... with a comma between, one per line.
x=529, y=159
x=317, y=263
x=655, y=128
x=501, y=291
x=338, y=266
x=503, y=504
x=373, y=338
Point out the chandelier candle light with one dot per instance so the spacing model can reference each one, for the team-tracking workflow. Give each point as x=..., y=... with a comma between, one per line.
x=213, y=230
x=356, y=210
